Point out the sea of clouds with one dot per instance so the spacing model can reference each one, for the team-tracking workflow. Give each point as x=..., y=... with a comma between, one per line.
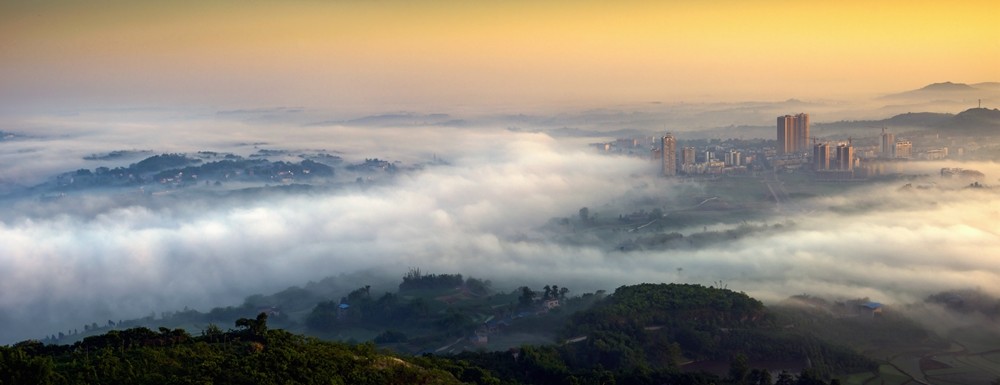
x=98, y=255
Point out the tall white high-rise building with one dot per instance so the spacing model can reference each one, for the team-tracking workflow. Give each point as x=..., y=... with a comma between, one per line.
x=734, y=158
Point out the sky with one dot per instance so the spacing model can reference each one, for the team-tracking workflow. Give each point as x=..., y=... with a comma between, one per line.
x=435, y=54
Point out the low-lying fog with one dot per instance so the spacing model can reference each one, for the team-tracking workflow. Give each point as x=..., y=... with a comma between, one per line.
x=93, y=256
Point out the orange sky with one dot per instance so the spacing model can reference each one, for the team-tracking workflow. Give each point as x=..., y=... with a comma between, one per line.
x=437, y=54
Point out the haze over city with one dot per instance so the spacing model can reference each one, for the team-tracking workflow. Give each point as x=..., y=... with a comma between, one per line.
x=469, y=137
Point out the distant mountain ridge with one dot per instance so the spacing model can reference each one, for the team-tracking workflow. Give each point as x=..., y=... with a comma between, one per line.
x=948, y=89
x=972, y=121
x=920, y=119
x=947, y=86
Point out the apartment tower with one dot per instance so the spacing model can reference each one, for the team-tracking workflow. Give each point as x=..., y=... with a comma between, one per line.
x=887, y=148
x=793, y=134
x=845, y=157
x=904, y=149
x=687, y=156
x=668, y=155
x=821, y=157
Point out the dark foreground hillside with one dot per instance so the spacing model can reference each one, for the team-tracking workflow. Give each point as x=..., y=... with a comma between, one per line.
x=252, y=354
x=639, y=335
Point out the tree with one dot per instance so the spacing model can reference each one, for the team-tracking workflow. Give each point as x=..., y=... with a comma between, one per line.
x=256, y=327
x=785, y=378
x=19, y=367
x=455, y=322
x=212, y=332
x=809, y=377
x=527, y=297
x=323, y=316
x=584, y=214
x=739, y=369
x=759, y=377
x=478, y=286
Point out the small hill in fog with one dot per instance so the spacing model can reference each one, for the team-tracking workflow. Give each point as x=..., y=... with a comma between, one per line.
x=947, y=86
x=974, y=121
x=946, y=90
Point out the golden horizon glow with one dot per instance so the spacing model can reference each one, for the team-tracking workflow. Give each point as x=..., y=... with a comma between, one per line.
x=505, y=52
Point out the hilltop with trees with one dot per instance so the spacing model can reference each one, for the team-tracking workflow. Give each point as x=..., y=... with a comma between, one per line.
x=638, y=335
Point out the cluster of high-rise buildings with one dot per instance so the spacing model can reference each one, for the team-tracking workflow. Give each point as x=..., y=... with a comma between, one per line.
x=667, y=153
x=826, y=157
x=793, y=142
x=890, y=148
x=795, y=149
x=714, y=160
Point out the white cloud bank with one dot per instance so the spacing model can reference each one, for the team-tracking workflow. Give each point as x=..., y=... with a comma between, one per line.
x=479, y=216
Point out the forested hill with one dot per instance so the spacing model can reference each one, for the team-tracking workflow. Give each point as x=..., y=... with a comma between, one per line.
x=251, y=354
x=656, y=325
x=641, y=334
x=668, y=305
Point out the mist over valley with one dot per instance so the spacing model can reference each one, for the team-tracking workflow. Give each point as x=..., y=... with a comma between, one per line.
x=499, y=200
